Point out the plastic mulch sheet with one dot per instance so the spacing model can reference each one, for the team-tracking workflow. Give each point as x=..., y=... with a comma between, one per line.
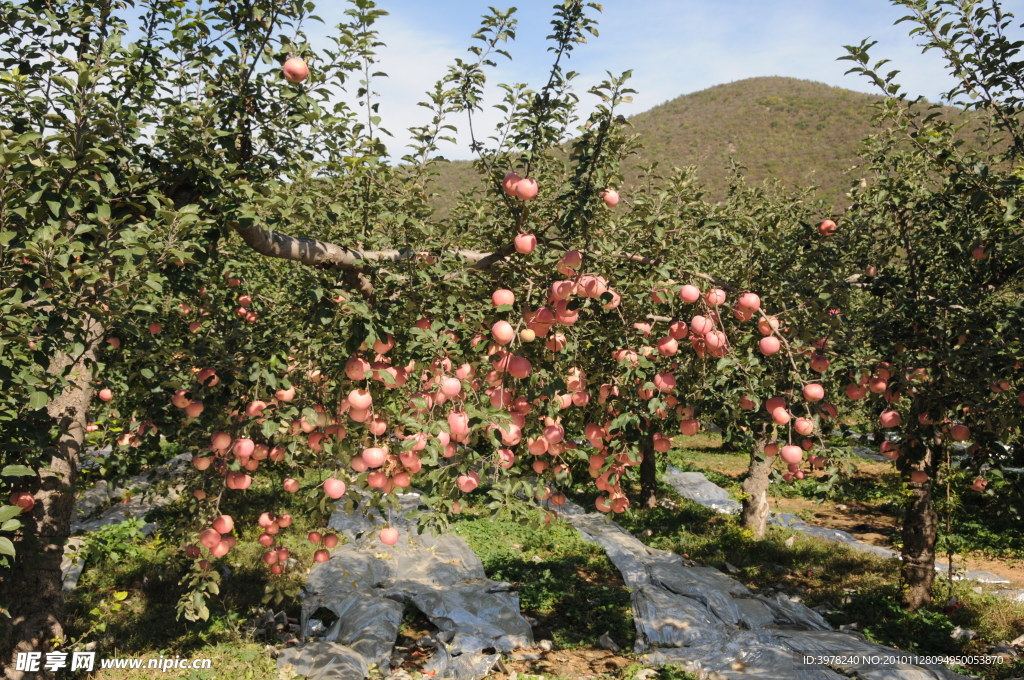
x=366, y=584
x=706, y=621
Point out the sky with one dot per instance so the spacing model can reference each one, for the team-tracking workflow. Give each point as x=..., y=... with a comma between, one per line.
x=674, y=47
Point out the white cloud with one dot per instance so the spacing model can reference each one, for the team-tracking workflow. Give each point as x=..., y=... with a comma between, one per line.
x=673, y=46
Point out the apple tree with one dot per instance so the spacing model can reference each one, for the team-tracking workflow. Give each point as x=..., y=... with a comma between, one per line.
x=934, y=239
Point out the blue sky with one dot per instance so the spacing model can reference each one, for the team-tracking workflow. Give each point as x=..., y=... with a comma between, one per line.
x=673, y=46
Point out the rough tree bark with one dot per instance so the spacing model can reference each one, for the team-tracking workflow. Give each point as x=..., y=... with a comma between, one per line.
x=755, y=490
x=33, y=590
x=920, y=531
x=648, y=470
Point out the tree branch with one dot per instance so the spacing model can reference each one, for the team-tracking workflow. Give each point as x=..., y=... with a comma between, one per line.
x=316, y=253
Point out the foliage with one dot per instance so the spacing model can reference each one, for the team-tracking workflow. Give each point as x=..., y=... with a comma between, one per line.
x=934, y=238
x=236, y=259
x=101, y=614
x=113, y=542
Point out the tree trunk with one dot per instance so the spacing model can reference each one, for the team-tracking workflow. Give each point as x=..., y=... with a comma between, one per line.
x=648, y=470
x=33, y=590
x=920, y=531
x=755, y=491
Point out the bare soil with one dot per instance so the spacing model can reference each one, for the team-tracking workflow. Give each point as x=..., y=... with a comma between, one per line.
x=579, y=664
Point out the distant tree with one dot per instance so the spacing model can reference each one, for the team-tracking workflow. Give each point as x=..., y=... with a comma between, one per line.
x=936, y=241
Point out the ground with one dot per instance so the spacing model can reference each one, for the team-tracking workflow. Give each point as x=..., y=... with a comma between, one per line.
x=873, y=520
x=568, y=588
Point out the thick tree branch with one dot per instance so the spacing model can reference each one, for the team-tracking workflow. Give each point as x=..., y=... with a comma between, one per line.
x=316, y=253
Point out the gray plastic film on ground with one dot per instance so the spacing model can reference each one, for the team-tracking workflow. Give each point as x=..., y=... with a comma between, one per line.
x=366, y=585
x=708, y=622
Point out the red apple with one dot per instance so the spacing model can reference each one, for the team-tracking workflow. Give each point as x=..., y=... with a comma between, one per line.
x=814, y=392
x=689, y=293
x=334, y=488
x=769, y=345
x=223, y=524
x=502, y=332
x=792, y=454
x=611, y=197
x=526, y=189
x=960, y=433
x=295, y=69
x=502, y=296
x=209, y=538
x=23, y=499
x=525, y=243
x=890, y=419
x=715, y=297
x=508, y=184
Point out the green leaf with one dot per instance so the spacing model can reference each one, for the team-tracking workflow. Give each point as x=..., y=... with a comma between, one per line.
x=6, y=547
x=38, y=400
x=10, y=525
x=17, y=471
x=9, y=511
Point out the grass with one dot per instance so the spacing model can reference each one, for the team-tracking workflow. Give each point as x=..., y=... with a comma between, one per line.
x=983, y=525
x=857, y=588
x=702, y=441
x=149, y=570
x=241, y=660
x=568, y=585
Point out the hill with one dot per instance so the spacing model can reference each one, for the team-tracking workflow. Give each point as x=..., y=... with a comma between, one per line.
x=799, y=131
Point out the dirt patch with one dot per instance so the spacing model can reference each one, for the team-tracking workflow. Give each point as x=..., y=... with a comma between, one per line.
x=1012, y=570
x=864, y=520
x=579, y=664
x=730, y=466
